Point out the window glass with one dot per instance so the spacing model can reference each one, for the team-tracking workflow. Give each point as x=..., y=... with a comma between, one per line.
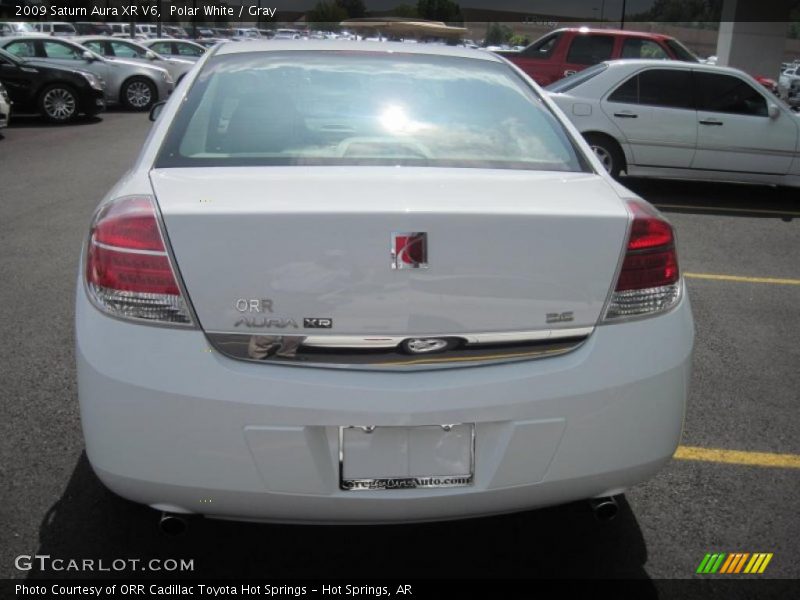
x=353, y=108
x=23, y=49
x=95, y=47
x=162, y=48
x=670, y=88
x=543, y=47
x=640, y=48
x=627, y=93
x=123, y=50
x=59, y=50
x=681, y=52
x=576, y=79
x=189, y=50
x=728, y=94
x=590, y=49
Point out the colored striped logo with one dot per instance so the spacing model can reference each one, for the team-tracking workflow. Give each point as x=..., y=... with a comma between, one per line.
x=735, y=562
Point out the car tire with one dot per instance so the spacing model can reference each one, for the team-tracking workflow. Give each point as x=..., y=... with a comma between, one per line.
x=608, y=152
x=138, y=93
x=58, y=103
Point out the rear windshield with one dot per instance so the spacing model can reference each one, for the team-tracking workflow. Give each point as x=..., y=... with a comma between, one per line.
x=364, y=108
x=574, y=80
x=681, y=51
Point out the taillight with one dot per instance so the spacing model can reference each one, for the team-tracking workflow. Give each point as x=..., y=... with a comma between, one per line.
x=128, y=270
x=649, y=281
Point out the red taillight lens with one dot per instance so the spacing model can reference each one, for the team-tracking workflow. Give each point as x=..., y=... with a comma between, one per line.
x=648, y=230
x=649, y=281
x=128, y=270
x=129, y=223
x=652, y=268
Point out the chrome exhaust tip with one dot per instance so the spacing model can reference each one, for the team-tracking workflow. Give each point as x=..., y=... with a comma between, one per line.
x=604, y=509
x=172, y=524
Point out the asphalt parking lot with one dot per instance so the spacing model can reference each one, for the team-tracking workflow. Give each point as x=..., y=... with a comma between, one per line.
x=744, y=398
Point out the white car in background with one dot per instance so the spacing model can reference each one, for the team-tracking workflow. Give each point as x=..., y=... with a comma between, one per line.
x=55, y=28
x=654, y=118
x=298, y=305
x=8, y=28
x=787, y=78
x=174, y=48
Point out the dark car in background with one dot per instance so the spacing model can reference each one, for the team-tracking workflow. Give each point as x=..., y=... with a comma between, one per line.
x=58, y=94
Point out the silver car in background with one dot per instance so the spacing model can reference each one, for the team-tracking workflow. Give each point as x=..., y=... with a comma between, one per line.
x=183, y=49
x=134, y=85
x=126, y=50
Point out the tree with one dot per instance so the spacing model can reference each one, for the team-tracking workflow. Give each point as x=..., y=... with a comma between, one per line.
x=327, y=13
x=519, y=39
x=355, y=9
x=682, y=11
x=405, y=10
x=440, y=10
x=497, y=34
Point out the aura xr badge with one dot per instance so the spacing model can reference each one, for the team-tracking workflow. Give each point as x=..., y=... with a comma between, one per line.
x=317, y=323
x=410, y=250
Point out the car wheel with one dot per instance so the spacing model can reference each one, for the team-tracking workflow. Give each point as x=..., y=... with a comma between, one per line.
x=138, y=94
x=608, y=152
x=58, y=103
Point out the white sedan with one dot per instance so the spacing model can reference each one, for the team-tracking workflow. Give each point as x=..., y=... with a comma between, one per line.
x=684, y=121
x=376, y=284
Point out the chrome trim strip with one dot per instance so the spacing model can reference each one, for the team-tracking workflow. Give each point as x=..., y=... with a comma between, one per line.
x=660, y=144
x=412, y=482
x=391, y=341
x=461, y=351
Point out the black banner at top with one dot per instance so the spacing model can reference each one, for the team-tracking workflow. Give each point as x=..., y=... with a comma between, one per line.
x=449, y=11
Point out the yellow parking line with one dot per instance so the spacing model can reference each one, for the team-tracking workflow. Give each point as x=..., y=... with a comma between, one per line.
x=738, y=457
x=739, y=278
x=764, y=211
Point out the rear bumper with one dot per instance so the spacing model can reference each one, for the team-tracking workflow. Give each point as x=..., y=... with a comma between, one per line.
x=171, y=423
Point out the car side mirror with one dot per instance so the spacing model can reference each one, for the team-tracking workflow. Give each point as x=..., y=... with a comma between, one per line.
x=156, y=110
x=774, y=111
x=150, y=55
x=87, y=56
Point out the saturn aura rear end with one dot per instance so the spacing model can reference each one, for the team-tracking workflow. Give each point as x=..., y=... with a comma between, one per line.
x=374, y=283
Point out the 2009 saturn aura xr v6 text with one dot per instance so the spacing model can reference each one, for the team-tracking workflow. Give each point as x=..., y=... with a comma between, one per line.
x=375, y=283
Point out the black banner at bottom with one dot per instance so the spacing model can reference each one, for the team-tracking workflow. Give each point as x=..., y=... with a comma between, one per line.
x=412, y=589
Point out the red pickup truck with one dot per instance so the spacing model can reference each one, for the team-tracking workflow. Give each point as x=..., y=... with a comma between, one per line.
x=566, y=51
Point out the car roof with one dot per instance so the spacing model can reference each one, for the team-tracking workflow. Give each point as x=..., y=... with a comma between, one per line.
x=108, y=38
x=619, y=32
x=352, y=46
x=651, y=62
x=24, y=38
x=145, y=42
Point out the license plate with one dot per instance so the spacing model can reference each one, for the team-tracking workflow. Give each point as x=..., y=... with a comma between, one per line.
x=393, y=458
